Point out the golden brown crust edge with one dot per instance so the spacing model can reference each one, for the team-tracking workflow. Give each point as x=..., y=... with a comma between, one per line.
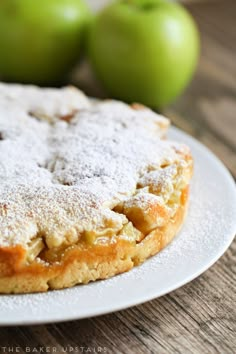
x=82, y=265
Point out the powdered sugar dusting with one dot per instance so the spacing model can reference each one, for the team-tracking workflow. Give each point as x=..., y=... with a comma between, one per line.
x=47, y=103
x=59, y=175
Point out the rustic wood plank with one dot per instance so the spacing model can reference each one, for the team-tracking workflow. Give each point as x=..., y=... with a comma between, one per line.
x=200, y=317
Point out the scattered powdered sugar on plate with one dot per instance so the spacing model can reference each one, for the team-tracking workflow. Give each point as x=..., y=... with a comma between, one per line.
x=209, y=228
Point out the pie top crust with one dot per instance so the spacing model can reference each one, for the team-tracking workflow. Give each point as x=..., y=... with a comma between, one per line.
x=70, y=167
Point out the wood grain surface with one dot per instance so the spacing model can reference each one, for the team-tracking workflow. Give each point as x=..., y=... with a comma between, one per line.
x=200, y=317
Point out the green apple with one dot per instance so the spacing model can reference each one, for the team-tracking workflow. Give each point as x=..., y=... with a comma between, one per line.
x=144, y=50
x=40, y=40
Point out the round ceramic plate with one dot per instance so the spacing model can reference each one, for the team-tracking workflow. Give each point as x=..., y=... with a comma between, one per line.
x=207, y=233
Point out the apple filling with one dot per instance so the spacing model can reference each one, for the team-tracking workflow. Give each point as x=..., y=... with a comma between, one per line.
x=34, y=248
x=154, y=202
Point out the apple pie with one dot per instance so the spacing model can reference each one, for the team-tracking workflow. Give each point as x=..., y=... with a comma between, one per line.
x=89, y=189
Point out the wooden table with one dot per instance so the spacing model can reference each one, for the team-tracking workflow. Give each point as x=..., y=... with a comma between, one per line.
x=201, y=316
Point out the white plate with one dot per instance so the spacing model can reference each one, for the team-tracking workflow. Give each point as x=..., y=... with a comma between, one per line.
x=209, y=229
